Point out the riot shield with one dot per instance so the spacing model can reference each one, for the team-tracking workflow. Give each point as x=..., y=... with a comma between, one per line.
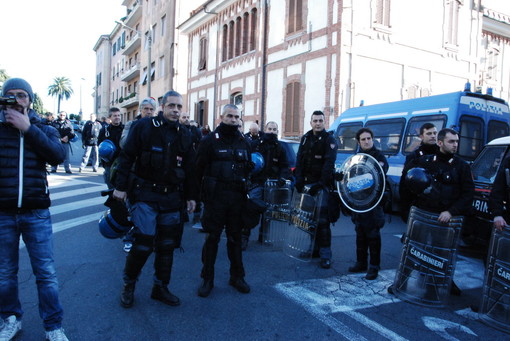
x=428, y=259
x=277, y=216
x=363, y=183
x=304, y=219
x=495, y=309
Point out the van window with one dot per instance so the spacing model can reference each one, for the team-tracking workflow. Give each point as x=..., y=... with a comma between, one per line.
x=487, y=163
x=412, y=138
x=497, y=129
x=346, y=136
x=387, y=134
x=471, y=137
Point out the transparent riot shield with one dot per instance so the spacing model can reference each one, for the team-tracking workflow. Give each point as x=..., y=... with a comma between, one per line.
x=277, y=216
x=304, y=219
x=495, y=309
x=363, y=182
x=428, y=259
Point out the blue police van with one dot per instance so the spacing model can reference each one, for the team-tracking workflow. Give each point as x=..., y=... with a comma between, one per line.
x=479, y=118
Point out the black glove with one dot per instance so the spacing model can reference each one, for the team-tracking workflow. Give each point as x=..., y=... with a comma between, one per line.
x=281, y=182
x=315, y=189
x=299, y=187
x=339, y=176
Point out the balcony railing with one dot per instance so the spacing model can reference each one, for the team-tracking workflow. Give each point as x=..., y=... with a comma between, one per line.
x=131, y=73
x=132, y=45
x=129, y=101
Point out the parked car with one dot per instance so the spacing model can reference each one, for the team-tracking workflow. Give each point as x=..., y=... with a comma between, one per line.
x=478, y=227
x=76, y=126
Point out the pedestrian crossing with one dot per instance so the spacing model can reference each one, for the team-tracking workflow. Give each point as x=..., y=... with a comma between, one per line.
x=76, y=200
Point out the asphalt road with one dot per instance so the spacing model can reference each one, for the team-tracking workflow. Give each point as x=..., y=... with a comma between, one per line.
x=290, y=299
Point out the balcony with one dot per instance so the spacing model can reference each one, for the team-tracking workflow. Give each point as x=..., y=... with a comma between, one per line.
x=129, y=101
x=132, y=45
x=134, y=15
x=131, y=73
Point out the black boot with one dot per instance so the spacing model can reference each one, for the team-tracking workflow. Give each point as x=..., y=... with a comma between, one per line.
x=358, y=267
x=240, y=284
x=127, y=296
x=206, y=288
x=162, y=294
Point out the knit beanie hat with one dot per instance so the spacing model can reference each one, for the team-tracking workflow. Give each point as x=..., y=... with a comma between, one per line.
x=18, y=83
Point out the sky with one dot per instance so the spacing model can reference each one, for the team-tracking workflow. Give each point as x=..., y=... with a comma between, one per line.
x=55, y=38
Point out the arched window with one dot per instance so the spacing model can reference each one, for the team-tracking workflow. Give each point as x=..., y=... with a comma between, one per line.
x=292, y=108
x=246, y=32
x=225, y=43
x=238, y=39
x=231, y=40
x=253, y=30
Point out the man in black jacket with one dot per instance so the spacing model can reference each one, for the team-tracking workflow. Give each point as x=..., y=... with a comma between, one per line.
x=161, y=184
x=368, y=224
x=66, y=131
x=223, y=167
x=112, y=132
x=315, y=166
x=499, y=200
x=89, y=138
x=27, y=145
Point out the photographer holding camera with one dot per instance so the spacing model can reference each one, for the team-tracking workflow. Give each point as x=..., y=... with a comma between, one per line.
x=27, y=145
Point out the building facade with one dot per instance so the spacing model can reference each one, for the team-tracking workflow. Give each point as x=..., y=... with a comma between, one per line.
x=281, y=60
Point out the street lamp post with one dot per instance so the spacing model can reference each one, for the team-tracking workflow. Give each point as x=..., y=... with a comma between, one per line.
x=149, y=47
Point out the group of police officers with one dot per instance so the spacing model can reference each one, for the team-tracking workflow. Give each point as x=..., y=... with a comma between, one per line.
x=165, y=168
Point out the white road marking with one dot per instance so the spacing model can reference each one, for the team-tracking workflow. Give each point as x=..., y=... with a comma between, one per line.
x=70, y=194
x=439, y=326
x=76, y=205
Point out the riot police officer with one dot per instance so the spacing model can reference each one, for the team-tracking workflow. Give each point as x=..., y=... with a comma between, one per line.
x=223, y=167
x=315, y=166
x=428, y=146
x=452, y=187
x=276, y=166
x=161, y=184
x=112, y=132
x=499, y=203
x=368, y=224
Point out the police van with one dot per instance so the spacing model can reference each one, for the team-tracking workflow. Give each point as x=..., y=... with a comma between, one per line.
x=479, y=118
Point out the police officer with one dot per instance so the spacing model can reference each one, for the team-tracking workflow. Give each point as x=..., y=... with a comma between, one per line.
x=112, y=132
x=428, y=146
x=66, y=131
x=368, y=224
x=254, y=135
x=223, y=166
x=315, y=166
x=499, y=199
x=452, y=188
x=276, y=166
x=162, y=183
x=196, y=134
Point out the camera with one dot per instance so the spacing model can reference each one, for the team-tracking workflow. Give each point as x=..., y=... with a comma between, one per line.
x=8, y=100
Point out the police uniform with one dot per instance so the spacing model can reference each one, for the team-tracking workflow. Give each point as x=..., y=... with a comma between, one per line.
x=112, y=133
x=499, y=200
x=422, y=150
x=315, y=166
x=276, y=166
x=223, y=166
x=162, y=181
x=368, y=226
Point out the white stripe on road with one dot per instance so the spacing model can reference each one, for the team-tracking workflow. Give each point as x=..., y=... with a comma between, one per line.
x=76, y=205
x=67, y=224
x=80, y=191
x=68, y=181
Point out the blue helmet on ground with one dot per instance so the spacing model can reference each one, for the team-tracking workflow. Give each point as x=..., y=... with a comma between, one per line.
x=110, y=228
x=107, y=150
x=258, y=162
x=418, y=180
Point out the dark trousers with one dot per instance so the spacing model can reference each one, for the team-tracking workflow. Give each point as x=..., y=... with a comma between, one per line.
x=223, y=212
x=368, y=238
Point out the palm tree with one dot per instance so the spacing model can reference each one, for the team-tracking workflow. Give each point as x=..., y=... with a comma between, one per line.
x=60, y=88
x=3, y=77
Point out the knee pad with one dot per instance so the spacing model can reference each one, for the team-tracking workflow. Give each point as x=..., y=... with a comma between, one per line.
x=167, y=237
x=143, y=243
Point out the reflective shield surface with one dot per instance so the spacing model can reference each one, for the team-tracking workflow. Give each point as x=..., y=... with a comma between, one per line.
x=363, y=183
x=277, y=216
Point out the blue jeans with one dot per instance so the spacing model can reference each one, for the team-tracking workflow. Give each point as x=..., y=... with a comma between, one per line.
x=35, y=228
x=87, y=154
x=67, y=162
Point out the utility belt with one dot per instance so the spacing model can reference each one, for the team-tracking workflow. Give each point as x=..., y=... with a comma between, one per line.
x=157, y=188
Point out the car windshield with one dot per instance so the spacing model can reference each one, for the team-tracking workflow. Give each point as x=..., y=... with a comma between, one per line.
x=486, y=165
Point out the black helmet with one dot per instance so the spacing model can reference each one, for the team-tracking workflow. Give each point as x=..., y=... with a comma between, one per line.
x=418, y=180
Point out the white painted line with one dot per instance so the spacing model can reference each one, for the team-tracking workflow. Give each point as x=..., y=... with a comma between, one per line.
x=76, y=205
x=67, y=224
x=80, y=191
x=323, y=297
